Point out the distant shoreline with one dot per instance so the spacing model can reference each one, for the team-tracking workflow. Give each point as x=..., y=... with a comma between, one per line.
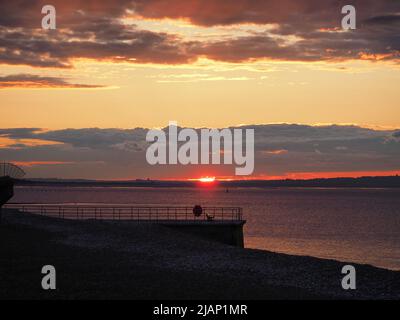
x=362, y=182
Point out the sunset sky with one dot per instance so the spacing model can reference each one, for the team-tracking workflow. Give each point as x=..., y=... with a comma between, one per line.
x=285, y=68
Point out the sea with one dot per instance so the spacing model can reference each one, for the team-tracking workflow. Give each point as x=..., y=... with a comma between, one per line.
x=349, y=225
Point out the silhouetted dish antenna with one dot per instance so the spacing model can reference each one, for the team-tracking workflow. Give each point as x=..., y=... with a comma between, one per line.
x=11, y=170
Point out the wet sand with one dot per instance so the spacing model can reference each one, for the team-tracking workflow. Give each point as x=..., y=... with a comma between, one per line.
x=110, y=260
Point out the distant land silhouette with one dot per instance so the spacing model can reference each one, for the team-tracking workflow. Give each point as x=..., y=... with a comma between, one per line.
x=362, y=182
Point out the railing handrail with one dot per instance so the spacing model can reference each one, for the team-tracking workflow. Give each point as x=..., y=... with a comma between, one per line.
x=104, y=205
x=128, y=212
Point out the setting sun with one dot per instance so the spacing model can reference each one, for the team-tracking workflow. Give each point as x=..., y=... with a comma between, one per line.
x=207, y=179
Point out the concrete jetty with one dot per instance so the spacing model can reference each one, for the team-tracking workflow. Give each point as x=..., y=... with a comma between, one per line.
x=222, y=224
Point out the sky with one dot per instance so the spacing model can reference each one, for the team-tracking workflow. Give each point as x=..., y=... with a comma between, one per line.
x=76, y=101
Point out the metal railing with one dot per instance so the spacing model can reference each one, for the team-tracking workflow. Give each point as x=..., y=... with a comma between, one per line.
x=126, y=212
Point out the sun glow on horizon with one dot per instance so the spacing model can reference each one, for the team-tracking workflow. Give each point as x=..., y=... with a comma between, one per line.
x=206, y=179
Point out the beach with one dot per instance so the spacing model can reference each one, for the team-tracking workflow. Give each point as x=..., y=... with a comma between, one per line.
x=112, y=260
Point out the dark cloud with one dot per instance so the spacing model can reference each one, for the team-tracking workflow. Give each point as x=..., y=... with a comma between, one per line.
x=27, y=13
x=390, y=19
x=280, y=149
x=92, y=29
x=112, y=41
x=81, y=138
x=16, y=133
x=36, y=81
x=97, y=138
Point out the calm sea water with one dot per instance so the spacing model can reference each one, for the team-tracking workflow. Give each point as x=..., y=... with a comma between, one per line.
x=359, y=225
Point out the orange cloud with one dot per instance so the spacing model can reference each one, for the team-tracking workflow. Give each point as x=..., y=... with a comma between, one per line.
x=324, y=175
x=96, y=30
x=275, y=152
x=6, y=142
x=40, y=163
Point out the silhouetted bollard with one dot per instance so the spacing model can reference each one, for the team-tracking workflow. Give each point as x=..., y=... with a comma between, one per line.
x=197, y=210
